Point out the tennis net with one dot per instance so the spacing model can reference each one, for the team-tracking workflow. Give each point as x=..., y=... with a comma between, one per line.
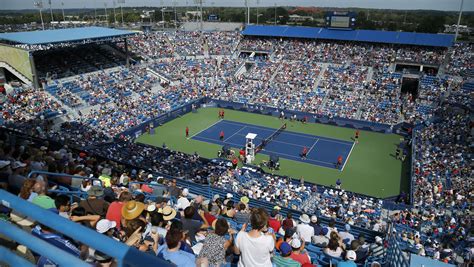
x=271, y=137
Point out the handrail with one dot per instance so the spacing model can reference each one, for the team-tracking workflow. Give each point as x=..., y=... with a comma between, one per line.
x=40, y=246
x=125, y=255
x=13, y=259
x=64, y=175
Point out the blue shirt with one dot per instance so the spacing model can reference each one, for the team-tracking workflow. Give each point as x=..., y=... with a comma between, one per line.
x=346, y=264
x=180, y=258
x=57, y=241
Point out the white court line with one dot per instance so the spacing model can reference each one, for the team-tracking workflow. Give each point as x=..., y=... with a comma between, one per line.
x=234, y=133
x=213, y=141
x=205, y=129
x=353, y=144
x=312, y=146
x=276, y=141
x=303, y=135
x=291, y=157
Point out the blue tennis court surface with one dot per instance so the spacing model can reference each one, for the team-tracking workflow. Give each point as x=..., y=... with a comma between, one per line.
x=322, y=151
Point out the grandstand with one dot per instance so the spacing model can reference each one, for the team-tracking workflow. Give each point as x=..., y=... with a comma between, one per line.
x=80, y=187
x=53, y=54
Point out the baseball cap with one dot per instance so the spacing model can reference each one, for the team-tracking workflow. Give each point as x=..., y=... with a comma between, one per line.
x=229, y=195
x=4, y=163
x=105, y=225
x=295, y=243
x=285, y=249
x=215, y=197
x=378, y=239
x=351, y=255
x=18, y=164
x=185, y=192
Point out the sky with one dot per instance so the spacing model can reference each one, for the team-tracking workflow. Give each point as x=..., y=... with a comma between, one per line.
x=445, y=5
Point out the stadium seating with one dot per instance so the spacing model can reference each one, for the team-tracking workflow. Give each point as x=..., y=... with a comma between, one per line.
x=330, y=80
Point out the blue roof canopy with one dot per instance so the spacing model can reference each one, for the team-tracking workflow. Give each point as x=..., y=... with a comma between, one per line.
x=373, y=36
x=63, y=35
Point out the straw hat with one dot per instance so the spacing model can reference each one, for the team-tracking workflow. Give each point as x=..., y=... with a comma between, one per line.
x=132, y=209
x=21, y=220
x=168, y=213
x=244, y=200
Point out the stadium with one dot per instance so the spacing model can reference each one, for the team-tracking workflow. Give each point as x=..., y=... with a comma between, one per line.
x=227, y=144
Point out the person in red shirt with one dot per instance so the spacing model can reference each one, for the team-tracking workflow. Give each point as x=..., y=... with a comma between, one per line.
x=357, y=137
x=235, y=161
x=222, y=115
x=221, y=135
x=339, y=162
x=304, y=153
x=114, y=212
x=273, y=222
x=187, y=131
x=242, y=154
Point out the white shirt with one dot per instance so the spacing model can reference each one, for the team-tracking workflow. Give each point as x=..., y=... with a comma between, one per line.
x=182, y=203
x=305, y=231
x=254, y=252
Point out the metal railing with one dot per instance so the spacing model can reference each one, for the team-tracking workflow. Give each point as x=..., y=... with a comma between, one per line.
x=125, y=255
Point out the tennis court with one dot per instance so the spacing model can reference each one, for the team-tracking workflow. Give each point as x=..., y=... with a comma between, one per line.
x=322, y=151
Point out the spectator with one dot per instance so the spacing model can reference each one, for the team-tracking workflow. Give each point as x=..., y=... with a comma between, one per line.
x=255, y=247
x=171, y=251
x=333, y=249
x=273, y=222
x=42, y=199
x=315, y=224
x=350, y=260
x=321, y=240
x=94, y=204
x=215, y=244
x=285, y=259
x=298, y=253
x=183, y=201
x=191, y=225
x=114, y=212
x=346, y=236
x=62, y=204
x=304, y=230
x=377, y=249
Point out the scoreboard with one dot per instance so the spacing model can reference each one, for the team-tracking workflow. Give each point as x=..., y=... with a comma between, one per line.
x=340, y=20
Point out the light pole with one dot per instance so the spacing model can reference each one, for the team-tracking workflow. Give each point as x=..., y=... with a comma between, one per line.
x=162, y=14
x=51, y=11
x=115, y=17
x=95, y=12
x=275, y=13
x=200, y=14
x=175, y=15
x=258, y=3
x=121, y=2
x=62, y=7
x=106, y=17
x=39, y=5
x=459, y=21
x=248, y=11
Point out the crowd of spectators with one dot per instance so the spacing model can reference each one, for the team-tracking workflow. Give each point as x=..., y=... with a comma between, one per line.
x=24, y=104
x=440, y=221
x=221, y=43
x=153, y=45
x=156, y=216
x=460, y=58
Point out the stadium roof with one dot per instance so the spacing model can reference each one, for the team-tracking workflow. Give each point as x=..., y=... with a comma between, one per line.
x=406, y=38
x=63, y=35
